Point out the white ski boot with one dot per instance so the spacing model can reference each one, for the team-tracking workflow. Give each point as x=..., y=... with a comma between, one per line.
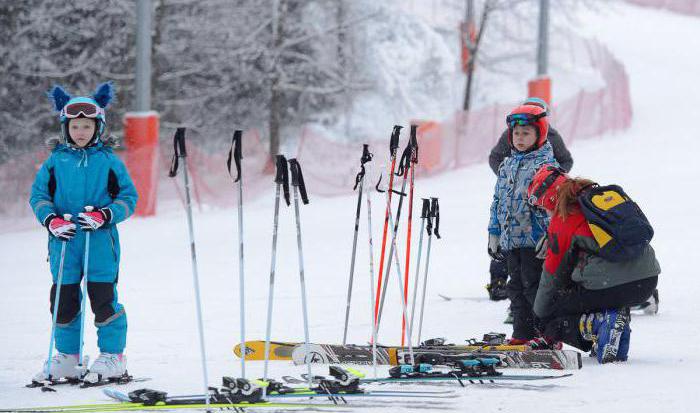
x=62, y=366
x=107, y=366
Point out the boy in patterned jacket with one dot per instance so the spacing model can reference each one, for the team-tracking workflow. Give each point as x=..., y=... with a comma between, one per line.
x=515, y=227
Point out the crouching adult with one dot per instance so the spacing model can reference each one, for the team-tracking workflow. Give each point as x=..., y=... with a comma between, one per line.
x=589, y=280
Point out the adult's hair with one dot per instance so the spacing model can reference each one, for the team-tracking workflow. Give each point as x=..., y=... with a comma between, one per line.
x=567, y=195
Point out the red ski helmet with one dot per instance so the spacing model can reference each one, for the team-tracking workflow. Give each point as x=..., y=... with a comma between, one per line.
x=528, y=114
x=543, y=190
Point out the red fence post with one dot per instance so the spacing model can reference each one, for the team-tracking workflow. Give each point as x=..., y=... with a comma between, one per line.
x=141, y=138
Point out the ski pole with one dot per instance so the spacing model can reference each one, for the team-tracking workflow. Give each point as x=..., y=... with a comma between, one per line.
x=424, y=214
x=235, y=154
x=395, y=257
x=180, y=151
x=300, y=188
x=359, y=181
x=282, y=181
x=414, y=162
x=434, y=214
x=371, y=281
x=81, y=365
x=403, y=169
x=57, y=298
x=393, y=146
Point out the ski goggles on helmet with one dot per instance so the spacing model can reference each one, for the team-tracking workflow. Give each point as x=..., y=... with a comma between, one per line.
x=555, y=172
x=86, y=109
x=523, y=119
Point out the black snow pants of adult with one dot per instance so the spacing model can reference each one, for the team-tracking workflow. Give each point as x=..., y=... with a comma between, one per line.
x=524, y=269
x=570, y=304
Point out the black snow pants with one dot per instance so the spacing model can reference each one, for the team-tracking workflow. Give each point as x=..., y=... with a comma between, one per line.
x=524, y=269
x=570, y=304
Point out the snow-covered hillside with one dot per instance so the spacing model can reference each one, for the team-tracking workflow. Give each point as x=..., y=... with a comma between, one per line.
x=654, y=161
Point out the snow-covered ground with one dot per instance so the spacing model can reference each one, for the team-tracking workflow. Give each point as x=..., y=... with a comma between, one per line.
x=654, y=161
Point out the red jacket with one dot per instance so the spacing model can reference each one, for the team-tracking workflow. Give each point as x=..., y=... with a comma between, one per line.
x=573, y=262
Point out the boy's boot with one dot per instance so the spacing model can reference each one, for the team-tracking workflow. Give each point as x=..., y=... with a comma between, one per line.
x=62, y=366
x=106, y=366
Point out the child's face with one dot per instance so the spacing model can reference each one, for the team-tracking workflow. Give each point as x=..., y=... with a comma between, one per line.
x=524, y=136
x=81, y=130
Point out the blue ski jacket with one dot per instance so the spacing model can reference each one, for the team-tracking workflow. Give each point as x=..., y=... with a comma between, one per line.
x=68, y=181
x=519, y=224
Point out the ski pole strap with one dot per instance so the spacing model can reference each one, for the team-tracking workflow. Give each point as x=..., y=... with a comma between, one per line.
x=366, y=157
x=393, y=191
x=408, y=154
x=179, y=150
x=298, y=179
x=282, y=176
x=435, y=213
x=394, y=140
x=235, y=154
x=426, y=208
x=414, y=144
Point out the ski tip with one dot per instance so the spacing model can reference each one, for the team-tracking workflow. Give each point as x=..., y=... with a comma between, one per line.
x=444, y=297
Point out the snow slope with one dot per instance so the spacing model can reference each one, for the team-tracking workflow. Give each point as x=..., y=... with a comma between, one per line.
x=654, y=161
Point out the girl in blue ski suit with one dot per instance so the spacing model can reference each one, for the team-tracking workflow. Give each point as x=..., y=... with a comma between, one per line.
x=82, y=173
x=515, y=227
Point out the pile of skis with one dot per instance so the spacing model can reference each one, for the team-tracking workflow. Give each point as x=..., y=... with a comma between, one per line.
x=434, y=351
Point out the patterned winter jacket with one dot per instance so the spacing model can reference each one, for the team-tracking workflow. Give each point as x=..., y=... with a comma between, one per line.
x=572, y=261
x=519, y=224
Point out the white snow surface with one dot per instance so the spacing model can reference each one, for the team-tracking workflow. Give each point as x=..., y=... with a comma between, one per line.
x=654, y=161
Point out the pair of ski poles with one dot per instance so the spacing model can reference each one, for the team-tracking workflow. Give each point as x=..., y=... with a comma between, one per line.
x=83, y=297
x=282, y=181
x=234, y=157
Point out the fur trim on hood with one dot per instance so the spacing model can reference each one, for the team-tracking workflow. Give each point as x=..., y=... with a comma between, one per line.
x=110, y=141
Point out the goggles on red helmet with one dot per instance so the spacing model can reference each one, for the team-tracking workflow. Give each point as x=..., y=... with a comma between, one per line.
x=556, y=172
x=523, y=119
x=86, y=109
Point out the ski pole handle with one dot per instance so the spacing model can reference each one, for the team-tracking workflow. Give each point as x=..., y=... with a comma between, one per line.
x=435, y=213
x=426, y=208
x=179, y=141
x=366, y=154
x=394, y=140
x=298, y=179
x=235, y=154
x=414, y=144
x=282, y=176
x=179, y=150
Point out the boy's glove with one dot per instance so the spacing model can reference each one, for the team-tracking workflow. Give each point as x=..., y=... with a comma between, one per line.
x=494, y=248
x=91, y=220
x=60, y=228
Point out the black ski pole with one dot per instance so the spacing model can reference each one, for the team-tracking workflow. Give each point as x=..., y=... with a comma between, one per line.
x=359, y=182
x=434, y=215
x=235, y=155
x=180, y=151
x=282, y=181
x=300, y=188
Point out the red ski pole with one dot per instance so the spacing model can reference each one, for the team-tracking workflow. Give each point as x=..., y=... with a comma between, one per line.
x=393, y=146
x=414, y=162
